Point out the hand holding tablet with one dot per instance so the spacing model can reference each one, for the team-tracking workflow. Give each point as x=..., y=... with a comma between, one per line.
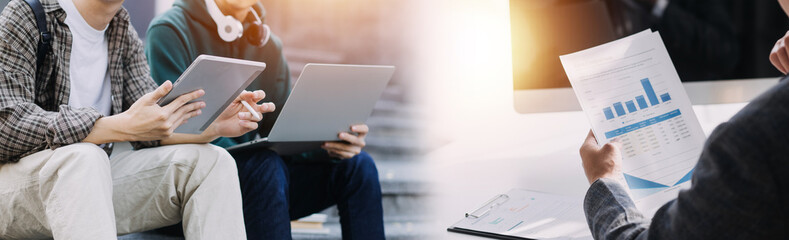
x=222, y=79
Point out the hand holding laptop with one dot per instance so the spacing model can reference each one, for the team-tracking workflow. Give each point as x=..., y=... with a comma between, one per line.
x=351, y=144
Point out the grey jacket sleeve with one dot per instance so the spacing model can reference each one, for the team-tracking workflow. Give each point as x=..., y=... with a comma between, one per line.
x=610, y=212
x=739, y=186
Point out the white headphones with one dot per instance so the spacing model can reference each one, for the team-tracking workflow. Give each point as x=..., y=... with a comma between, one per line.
x=231, y=29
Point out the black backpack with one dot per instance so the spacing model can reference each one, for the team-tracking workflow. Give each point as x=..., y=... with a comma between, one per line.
x=45, y=43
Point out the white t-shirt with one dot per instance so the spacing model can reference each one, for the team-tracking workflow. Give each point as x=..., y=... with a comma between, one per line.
x=90, y=83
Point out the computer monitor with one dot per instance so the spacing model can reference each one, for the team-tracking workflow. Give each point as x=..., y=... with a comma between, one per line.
x=543, y=30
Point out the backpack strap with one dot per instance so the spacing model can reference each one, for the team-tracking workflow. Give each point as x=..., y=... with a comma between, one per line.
x=45, y=44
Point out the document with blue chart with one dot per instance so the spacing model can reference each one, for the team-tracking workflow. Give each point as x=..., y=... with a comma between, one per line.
x=631, y=92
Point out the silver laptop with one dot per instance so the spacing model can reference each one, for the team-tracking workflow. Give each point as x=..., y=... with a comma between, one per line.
x=326, y=100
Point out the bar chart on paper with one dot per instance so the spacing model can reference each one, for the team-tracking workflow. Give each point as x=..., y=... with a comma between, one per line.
x=631, y=93
x=650, y=124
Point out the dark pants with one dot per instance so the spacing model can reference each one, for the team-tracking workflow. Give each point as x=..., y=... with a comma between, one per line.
x=278, y=189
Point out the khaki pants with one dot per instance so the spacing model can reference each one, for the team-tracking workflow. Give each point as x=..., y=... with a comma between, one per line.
x=78, y=192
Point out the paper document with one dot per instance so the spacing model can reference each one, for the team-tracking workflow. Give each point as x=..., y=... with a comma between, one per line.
x=522, y=214
x=630, y=91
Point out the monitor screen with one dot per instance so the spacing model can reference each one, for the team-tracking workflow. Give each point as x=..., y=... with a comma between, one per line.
x=544, y=30
x=737, y=47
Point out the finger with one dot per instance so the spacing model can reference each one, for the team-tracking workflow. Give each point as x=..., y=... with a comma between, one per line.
x=247, y=125
x=590, y=140
x=252, y=97
x=774, y=58
x=361, y=129
x=160, y=92
x=183, y=99
x=339, y=153
x=785, y=43
x=782, y=58
x=333, y=154
x=352, y=139
x=776, y=63
x=341, y=147
x=259, y=95
x=247, y=116
x=185, y=118
x=187, y=108
x=610, y=147
x=346, y=155
x=266, y=107
x=617, y=144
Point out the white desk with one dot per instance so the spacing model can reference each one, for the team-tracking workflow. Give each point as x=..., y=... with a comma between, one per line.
x=534, y=151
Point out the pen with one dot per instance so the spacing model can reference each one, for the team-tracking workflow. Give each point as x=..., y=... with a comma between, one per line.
x=252, y=111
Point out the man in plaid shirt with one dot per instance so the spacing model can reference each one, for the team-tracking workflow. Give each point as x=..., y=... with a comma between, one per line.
x=58, y=122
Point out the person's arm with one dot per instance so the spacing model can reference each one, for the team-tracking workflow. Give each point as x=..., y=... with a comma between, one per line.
x=737, y=187
x=137, y=79
x=25, y=126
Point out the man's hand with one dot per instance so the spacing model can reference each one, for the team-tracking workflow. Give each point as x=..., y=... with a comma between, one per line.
x=351, y=144
x=779, y=56
x=145, y=120
x=235, y=120
x=600, y=162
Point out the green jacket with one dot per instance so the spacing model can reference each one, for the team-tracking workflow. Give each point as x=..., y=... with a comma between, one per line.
x=186, y=31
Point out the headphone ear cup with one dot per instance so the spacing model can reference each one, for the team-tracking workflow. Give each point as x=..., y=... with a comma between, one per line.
x=254, y=34
x=258, y=34
x=229, y=29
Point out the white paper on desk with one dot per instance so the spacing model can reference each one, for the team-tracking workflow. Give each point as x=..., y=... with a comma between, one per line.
x=535, y=215
x=630, y=90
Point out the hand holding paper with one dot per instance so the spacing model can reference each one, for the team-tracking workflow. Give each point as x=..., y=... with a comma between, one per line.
x=630, y=91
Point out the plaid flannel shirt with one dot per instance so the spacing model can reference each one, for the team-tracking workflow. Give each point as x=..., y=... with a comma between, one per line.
x=34, y=110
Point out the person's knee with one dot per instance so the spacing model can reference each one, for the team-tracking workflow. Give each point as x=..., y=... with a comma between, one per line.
x=205, y=157
x=263, y=167
x=86, y=157
x=261, y=162
x=193, y=154
x=81, y=150
x=364, y=167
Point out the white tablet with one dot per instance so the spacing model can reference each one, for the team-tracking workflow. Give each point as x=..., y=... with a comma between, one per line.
x=222, y=79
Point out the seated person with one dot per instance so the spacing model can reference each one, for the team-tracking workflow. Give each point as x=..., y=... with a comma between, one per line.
x=738, y=187
x=275, y=189
x=59, y=118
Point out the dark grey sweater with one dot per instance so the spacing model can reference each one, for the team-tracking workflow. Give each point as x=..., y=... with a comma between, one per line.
x=739, y=189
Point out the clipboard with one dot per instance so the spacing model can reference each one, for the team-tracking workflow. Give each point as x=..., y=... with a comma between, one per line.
x=524, y=214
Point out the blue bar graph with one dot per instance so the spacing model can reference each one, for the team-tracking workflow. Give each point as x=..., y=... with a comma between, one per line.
x=620, y=111
x=650, y=91
x=665, y=97
x=631, y=107
x=642, y=124
x=608, y=113
x=642, y=103
x=619, y=108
